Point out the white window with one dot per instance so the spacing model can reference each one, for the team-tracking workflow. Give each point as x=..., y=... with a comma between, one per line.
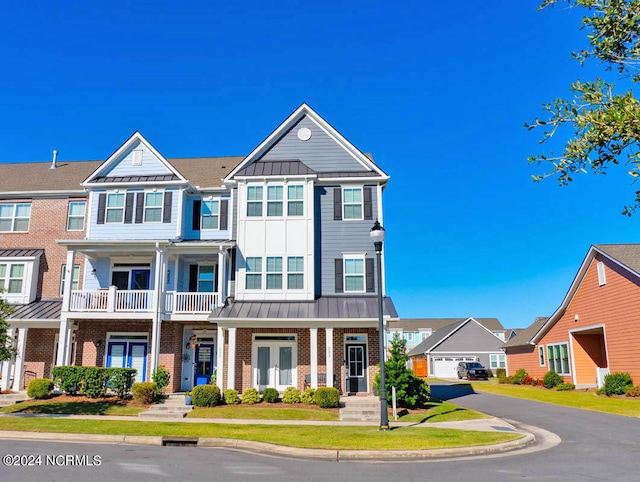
x=75, y=218
x=497, y=361
x=75, y=277
x=254, y=273
x=295, y=200
x=354, y=274
x=295, y=272
x=15, y=217
x=352, y=203
x=274, y=200
x=274, y=273
x=254, y=201
x=558, y=358
x=12, y=277
x=210, y=215
x=541, y=355
x=408, y=336
x=153, y=207
x=602, y=278
x=424, y=335
x=115, y=208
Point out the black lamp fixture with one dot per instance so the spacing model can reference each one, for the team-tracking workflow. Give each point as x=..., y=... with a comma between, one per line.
x=98, y=343
x=377, y=236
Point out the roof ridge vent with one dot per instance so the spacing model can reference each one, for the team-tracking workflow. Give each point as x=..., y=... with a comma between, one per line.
x=55, y=159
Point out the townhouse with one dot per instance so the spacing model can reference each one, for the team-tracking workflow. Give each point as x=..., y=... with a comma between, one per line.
x=254, y=271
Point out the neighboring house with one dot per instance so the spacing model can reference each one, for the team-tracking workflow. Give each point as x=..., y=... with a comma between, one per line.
x=258, y=270
x=463, y=340
x=595, y=329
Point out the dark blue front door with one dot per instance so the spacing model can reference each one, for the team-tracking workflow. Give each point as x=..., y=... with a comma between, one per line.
x=204, y=364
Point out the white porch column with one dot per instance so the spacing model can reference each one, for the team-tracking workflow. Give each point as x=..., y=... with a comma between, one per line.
x=7, y=365
x=19, y=365
x=231, y=371
x=329, y=355
x=220, y=360
x=313, y=356
x=158, y=309
x=68, y=279
x=222, y=277
x=64, y=342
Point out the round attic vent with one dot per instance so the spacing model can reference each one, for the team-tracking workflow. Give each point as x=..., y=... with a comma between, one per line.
x=304, y=133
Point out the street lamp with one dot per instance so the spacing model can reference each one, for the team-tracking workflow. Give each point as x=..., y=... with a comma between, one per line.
x=377, y=236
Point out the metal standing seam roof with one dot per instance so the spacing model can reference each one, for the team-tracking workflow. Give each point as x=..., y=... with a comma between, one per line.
x=21, y=252
x=325, y=307
x=48, y=309
x=154, y=178
x=524, y=337
x=276, y=168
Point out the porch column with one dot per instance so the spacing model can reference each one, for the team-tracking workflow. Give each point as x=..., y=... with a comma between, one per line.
x=64, y=342
x=220, y=360
x=313, y=355
x=158, y=309
x=7, y=365
x=231, y=371
x=68, y=280
x=329, y=355
x=19, y=365
x=222, y=277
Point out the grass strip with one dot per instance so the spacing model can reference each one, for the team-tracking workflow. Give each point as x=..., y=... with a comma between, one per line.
x=308, y=436
x=73, y=408
x=441, y=412
x=258, y=413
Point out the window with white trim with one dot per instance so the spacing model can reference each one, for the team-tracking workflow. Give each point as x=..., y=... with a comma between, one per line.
x=295, y=272
x=541, y=355
x=497, y=361
x=274, y=272
x=424, y=335
x=602, y=277
x=352, y=203
x=205, y=278
x=558, y=358
x=14, y=217
x=153, y=207
x=274, y=200
x=254, y=201
x=210, y=215
x=354, y=274
x=75, y=217
x=75, y=277
x=115, y=208
x=12, y=277
x=295, y=200
x=253, y=279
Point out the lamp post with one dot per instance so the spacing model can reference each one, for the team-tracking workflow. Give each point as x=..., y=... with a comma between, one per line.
x=377, y=236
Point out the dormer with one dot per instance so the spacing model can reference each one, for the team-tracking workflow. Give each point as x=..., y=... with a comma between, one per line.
x=19, y=270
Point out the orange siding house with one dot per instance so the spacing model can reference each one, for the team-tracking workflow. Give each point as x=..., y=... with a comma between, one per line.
x=596, y=329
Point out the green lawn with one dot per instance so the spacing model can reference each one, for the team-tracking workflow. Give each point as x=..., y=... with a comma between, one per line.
x=307, y=436
x=265, y=412
x=74, y=408
x=440, y=412
x=629, y=407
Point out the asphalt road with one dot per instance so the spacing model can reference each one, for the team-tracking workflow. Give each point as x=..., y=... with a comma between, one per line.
x=594, y=447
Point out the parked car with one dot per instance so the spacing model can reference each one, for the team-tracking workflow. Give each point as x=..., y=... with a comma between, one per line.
x=472, y=370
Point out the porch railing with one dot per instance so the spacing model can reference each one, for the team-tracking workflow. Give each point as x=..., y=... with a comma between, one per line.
x=177, y=302
x=111, y=300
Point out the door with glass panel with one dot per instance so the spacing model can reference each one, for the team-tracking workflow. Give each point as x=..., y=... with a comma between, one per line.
x=356, y=368
x=128, y=352
x=275, y=363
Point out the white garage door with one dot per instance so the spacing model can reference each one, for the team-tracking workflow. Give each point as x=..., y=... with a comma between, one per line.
x=446, y=367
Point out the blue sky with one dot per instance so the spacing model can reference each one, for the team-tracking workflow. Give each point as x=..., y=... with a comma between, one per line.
x=437, y=91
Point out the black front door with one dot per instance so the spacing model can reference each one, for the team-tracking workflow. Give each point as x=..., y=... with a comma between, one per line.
x=357, y=368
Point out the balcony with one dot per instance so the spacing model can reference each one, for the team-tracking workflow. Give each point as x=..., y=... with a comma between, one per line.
x=191, y=303
x=112, y=300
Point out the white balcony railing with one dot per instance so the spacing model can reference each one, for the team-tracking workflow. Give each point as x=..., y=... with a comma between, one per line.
x=112, y=300
x=177, y=302
x=134, y=300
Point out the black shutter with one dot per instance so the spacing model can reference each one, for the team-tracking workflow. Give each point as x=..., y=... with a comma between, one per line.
x=102, y=205
x=128, y=208
x=193, y=278
x=166, y=212
x=339, y=272
x=368, y=202
x=224, y=214
x=337, y=203
x=369, y=270
x=139, y=207
x=195, y=221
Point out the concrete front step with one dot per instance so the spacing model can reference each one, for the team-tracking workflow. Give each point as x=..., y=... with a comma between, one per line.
x=360, y=409
x=162, y=414
x=171, y=407
x=7, y=399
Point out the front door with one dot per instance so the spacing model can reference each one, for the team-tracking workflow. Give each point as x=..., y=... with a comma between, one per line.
x=140, y=279
x=204, y=364
x=275, y=365
x=122, y=354
x=357, y=368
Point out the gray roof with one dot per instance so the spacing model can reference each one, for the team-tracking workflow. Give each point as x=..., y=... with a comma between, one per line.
x=346, y=174
x=626, y=254
x=21, y=252
x=325, y=307
x=38, y=310
x=524, y=337
x=276, y=168
x=414, y=324
x=155, y=178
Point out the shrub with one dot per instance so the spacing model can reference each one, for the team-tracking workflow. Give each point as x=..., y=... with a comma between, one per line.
x=68, y=379
x=231, y=397
x=501, y=372
x=616, y=383
x=327, y=397
x=250, y=396
x=632, y=391
x=561, y=387
x=39, y=388
x=95, y=382
x=206, y=396
x=489, y=372
x=144, y=392
x=291, y=395
x=520, y=377
x=306, y=397
x=161, y=377
x=270, y=395
x=120, y=380
x=552, y=379
x=503, y=380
